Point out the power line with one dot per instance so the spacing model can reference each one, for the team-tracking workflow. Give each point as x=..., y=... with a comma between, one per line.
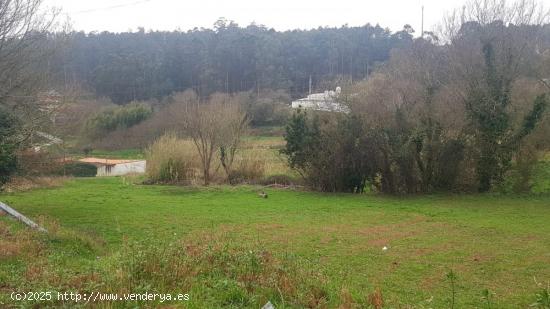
x=111, y=7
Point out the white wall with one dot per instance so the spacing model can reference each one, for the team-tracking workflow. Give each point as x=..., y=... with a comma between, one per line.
x=137, y=167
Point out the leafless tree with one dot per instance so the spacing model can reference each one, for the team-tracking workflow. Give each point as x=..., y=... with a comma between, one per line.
x=232, y=128
x=216, y=126
x=24, y=28
x=485, y=12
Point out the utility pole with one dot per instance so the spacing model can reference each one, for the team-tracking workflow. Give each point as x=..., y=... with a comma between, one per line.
x=227, y=82
x=422, y=26
x=310, y=82
x=351, y=69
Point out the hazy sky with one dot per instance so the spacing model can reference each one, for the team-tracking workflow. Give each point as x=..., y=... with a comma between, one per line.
x=123, y=15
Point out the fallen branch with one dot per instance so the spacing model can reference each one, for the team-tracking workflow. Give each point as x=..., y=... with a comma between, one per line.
x=12, y=212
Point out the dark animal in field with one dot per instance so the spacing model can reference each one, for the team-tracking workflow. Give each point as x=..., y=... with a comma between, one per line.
x=262, y=194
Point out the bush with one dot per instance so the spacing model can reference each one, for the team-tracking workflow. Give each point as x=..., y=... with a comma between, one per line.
x=342, y=153
x=248, y=170
x=269, y=109
x=8, y=162
x=333, y=154
x=280, y=179
x=172, y=160
x=115, y=118
x=78, y=169
x=527, y=175
x=32, y=163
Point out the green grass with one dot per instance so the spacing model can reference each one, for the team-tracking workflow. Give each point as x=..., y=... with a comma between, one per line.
x=267, y=131
x=541, y=177
x=499, y=243
x=129, y=154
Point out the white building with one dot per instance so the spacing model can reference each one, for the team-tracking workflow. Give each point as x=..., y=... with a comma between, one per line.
x=108, y=167
x=326, y=101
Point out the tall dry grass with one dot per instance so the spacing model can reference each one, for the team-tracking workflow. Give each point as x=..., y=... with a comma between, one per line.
x=172, y=160
x=249, y=167
x=22, y=184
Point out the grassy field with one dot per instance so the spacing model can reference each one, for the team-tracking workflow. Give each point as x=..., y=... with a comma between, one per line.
x=227, y=247
x=267, y=148
x=118, y=154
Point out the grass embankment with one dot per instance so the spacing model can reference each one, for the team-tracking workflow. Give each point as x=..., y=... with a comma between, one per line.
x=227, y=247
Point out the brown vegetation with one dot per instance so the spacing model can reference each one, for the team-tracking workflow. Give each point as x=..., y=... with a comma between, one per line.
x=453, y=117
x=19, y=184
x=216, y=127
x=172, y=160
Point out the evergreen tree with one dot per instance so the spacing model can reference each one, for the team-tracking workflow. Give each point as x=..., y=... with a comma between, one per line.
x=8, y=162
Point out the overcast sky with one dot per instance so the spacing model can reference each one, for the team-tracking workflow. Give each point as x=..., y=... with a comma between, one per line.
x=124, y=15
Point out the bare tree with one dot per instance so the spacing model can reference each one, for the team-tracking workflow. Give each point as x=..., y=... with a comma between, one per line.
x=216, y=125
x=233, y=127
x=485, y=12
x=24, y=30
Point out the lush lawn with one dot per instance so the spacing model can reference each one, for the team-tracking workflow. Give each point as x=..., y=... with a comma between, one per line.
x=490, y=242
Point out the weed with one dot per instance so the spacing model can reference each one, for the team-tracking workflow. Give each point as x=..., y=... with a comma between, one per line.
x=376, y=300
x=486, y=294
x=452, y=279
x=542, y=297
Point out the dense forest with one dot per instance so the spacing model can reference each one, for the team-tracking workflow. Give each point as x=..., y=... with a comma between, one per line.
x=228, y=58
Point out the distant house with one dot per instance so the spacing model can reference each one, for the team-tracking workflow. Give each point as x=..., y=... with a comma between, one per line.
x=110, y=167
x=326, y=101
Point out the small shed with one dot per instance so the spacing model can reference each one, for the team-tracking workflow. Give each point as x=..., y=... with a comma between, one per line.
x=113, y=167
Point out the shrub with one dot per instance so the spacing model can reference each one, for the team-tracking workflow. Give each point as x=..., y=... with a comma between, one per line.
x=114, y=118
x=265, y=113
x=248, y=170
x=78, y=169
x=172, y=160
x=333, y=154
x=8, y=162
x=32, y=163
x=280, y=179
x=22, y=184
x=528, y=174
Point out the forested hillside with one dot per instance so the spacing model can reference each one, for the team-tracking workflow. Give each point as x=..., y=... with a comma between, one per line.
x=228, y=58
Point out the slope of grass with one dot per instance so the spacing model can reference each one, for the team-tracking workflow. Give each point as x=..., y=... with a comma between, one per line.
x=266, y=249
